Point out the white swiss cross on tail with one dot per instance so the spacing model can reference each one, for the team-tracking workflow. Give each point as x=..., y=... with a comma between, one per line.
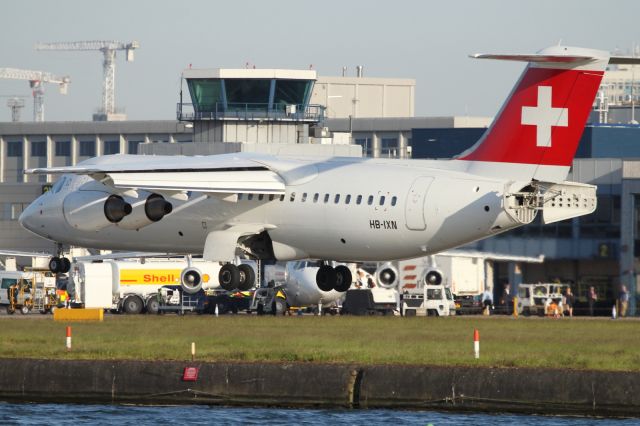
x=544, y=116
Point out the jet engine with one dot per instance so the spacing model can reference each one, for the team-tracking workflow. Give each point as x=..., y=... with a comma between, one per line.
x=191, y=280
x=387, y=276
x=94, y=210
x=432, y=277
x=146, y=211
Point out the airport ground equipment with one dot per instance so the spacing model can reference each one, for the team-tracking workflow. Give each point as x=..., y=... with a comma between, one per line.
x=269, y=300
x=172, y=298
x=36, y=80
x=131, y=287
x=27, y=290
x=374, y=301
x=428, y=300
x=108, y=49
x=535, y=299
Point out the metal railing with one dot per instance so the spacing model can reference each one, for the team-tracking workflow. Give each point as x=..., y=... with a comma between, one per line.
x=250, y=111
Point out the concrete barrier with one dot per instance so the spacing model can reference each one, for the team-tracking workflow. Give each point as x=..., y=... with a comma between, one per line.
x=544, y=391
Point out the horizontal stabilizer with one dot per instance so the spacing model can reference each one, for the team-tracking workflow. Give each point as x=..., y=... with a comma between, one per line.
x=541, y=58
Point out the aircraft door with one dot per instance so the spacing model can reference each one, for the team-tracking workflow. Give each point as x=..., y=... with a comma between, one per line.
x=414, y=207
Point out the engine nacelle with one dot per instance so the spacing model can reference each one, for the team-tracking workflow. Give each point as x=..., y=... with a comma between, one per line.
x=387, y=276
x=191, y=280
x=94, y=210
x=432, y=277
x=146, y=211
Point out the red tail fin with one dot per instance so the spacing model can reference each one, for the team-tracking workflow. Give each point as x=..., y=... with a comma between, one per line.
x=536, y=133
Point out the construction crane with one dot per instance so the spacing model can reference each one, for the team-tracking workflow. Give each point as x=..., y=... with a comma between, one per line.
x=15, y=104
x=108, y=49
x=36, y=80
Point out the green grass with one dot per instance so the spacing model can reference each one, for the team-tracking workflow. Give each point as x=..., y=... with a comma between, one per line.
x=600, y=344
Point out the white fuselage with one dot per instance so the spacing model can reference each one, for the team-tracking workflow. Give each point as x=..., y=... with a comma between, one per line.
x=343, y=209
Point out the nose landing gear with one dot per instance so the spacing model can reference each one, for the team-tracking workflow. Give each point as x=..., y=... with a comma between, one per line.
x=59, y=265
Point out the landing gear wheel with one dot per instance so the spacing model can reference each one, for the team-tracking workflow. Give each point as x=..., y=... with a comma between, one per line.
x=343, y=278
x=281, y=306
x=247, y=277
x=326, y=278
x=132, y=305
x=24, y=310
x=229, y=277
x=55, y=265
x=66, y=265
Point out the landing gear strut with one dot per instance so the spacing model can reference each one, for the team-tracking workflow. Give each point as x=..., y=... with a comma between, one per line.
x=329, y=278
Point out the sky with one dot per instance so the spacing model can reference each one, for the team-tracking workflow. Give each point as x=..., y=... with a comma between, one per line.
x=427, y=41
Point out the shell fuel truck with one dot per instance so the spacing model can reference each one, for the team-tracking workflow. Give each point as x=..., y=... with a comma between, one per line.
x=131, y=287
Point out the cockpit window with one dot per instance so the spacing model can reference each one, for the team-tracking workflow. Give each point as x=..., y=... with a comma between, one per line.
x=58, y=185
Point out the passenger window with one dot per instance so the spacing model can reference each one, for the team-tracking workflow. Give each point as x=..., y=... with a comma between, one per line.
x=250, y=197
x=293, y=197
x=359, y=199
x=394, y=200
x=271, y=197
x=240, y=197
x=261, y=197
x=316, y=197
x=382, y=200
x=370, y=200
x=282, y=197
x=326, y=198
x=337, y=199
x=304, y=197
x=347, y=199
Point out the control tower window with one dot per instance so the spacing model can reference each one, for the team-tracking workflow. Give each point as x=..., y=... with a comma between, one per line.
x=291, y=92
x=247, y=93
x=206, y=93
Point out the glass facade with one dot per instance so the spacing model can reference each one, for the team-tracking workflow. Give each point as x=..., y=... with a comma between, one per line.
x=39, y=149
x=257, y=97
x=14, y=149
x=111, y=147
x=63, y=149
x=88, y=148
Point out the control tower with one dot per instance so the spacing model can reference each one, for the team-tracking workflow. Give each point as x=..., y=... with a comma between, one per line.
x=254, y=106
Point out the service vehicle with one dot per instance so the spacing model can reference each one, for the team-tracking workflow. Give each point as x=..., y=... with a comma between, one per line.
x=428, y=300
x=370, y=301
x=535, y=299
x=28, y=290
x=131, y=287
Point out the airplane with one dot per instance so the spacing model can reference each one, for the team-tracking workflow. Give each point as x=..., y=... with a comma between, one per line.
x=298, y=280
x=347, y=209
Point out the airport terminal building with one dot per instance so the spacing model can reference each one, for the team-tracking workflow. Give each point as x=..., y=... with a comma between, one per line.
x=272, y=110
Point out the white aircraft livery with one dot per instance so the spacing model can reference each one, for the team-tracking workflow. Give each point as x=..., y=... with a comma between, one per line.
x=347, y=209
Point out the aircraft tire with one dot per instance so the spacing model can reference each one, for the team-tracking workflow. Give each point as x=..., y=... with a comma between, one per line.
x=281, y=306
x=247, y=277
x=55, y=265
x=66, y=265
x=343, y=278
x=326, y=278
x=132, y=305
x=229, y=277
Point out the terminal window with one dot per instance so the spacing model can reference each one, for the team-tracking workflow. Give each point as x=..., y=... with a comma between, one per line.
x=206, y=93
x=39, y=149
x=14, y=149
x=291, y=92
x=133, y=147
x=87, y=148
x=63, y=148
x=247, y=93
x=111, y=147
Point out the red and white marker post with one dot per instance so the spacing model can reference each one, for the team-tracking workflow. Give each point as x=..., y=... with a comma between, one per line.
x=476, y=343
x=68, y=338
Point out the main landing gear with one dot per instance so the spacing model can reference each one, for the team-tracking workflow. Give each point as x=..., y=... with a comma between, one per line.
x=241, y=277
x=329, y=278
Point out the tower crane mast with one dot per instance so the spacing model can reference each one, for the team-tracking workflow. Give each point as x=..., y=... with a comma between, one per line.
x=108, y=49
x=36, y=79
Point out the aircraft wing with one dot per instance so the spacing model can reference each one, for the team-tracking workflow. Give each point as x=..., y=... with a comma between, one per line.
x=216, y=173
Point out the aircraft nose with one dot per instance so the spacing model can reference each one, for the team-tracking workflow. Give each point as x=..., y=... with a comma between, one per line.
x=27, y=218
